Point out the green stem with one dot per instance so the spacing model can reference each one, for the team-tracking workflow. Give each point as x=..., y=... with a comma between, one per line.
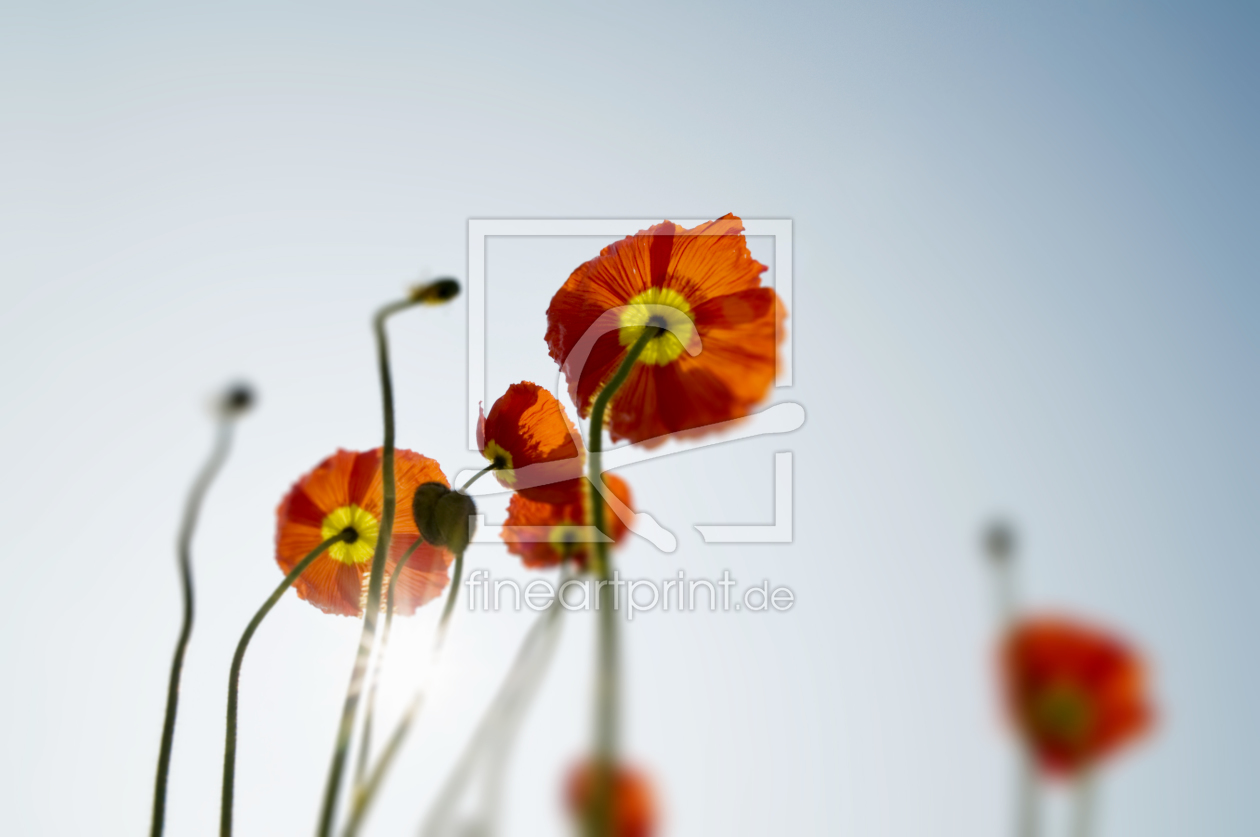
x=457, y=575
x=1084, y=820
x=385, y=534
x=1029, y=800
x=192, y=508
x=365, y=792
x=489, y=745
x=234, y=679
x=370, y=707
x=491, y=467
x=600, y=822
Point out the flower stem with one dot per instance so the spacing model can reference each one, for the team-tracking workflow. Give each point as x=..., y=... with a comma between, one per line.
x=607, y=687
x=192, y=508
x=1084, y=820
x=369, y=708
x=492, y=466
x=385, y=534
x=1028, y=803
x=234, y=679
x=365, y=792
x=488, y=748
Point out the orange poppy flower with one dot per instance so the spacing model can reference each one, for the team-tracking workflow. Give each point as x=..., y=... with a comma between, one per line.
x=634, y=806
x=532, y=442
x=717, y=357
x=1076, y=694
x=345, y=491
x=553, y=534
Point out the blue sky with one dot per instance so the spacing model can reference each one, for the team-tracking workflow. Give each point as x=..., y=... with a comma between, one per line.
x=1025, y=283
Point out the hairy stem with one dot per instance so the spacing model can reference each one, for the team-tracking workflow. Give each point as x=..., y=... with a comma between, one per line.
x=385, y=534
x=192, y=509
x=365, y=791
x=234, y=679
x=492, y=466
x=370, y=705
x=600, y=823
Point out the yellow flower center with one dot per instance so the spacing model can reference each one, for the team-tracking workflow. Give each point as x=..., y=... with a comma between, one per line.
x=1062, y=713
x=365, y=528
x=661, y=308
x=502, y=460
x=564, y=538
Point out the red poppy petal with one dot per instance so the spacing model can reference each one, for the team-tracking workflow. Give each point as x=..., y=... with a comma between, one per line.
x=423, y=578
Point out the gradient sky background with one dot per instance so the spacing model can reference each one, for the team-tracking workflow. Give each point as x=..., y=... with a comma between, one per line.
x=1026, y=283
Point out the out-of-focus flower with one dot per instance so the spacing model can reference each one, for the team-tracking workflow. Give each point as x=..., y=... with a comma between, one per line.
x=634, y=811
x=1076, y=693
x=553, y=533
x=527, y=429
x=713, y=355
x=344, y=492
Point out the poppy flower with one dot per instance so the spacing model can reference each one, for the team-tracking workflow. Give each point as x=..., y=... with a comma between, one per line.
x=345, y=492
x=531, y=442
x=633, y=806
x=552, y=534
x=713, y=355
x=1076, y=694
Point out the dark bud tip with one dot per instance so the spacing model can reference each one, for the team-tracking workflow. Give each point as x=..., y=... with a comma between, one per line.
x=455, y=517
x=424, y=508
x=436, y=292
x=236, y=399
x=999, y=541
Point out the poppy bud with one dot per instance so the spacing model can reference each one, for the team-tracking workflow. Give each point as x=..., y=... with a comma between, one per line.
x=236, y=399
x=424, y=510
x=454, y=517
x=436, y=292
x=999, y=542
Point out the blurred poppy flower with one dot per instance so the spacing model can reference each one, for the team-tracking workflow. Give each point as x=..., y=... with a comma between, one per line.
x=527, y=429
x=634, y=808
x=345, y=492
x=1076, y=693
x=714, y=354
x=553, y=533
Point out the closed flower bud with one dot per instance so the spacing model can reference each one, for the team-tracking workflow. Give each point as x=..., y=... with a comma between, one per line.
x=424, y=509
x=236, y=399
x=999, y=542
x=436, y=292
x=454, y=517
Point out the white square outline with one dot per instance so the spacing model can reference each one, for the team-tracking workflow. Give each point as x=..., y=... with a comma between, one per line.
x=479, y=229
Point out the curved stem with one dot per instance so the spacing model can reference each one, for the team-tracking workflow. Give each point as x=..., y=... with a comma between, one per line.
x=372, y=611
x=370, y=707
x=365, y=792
x=477, y=476
x=192, y=508
x=607, y=687
x=234, y=679
x=457, y=576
